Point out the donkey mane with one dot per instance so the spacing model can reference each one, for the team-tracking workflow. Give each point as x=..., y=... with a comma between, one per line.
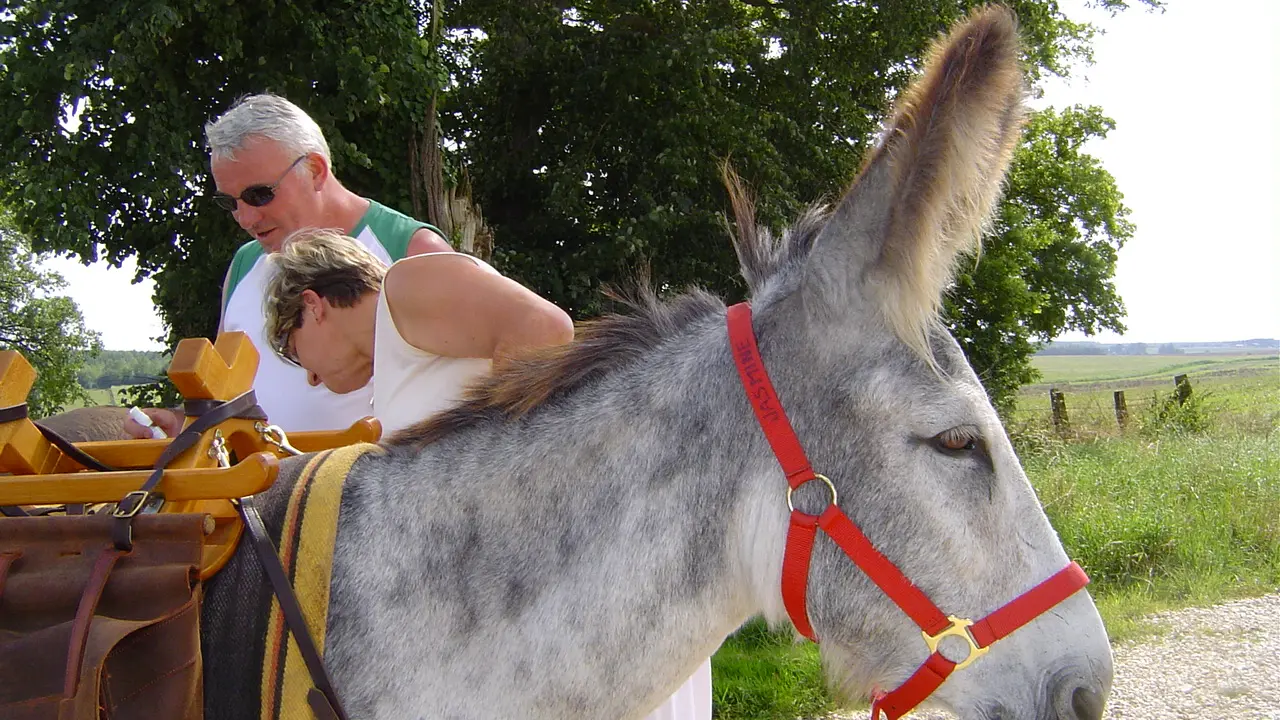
x=525, y=384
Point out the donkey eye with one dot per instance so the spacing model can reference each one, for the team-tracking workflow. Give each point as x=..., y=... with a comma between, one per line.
x=958, y=439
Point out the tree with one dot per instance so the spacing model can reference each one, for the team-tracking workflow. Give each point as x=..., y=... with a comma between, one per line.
x=1048, y=264
x=592, y=134
x=47, y=329
x=103, y=103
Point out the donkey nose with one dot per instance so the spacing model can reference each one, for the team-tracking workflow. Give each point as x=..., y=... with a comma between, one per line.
x=1073, y=699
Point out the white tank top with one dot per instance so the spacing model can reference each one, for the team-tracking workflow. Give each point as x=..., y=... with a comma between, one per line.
x=410, y=384
x=282, y=389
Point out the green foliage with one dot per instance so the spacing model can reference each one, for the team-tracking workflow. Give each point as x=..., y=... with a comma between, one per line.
x=46, y=328
x=593, y=132
x=1170, y=415
x=609, y=160
x=161, y=393
x=1183, y=519
x=1048, y=265
x=103, y=104
x=1169, y=518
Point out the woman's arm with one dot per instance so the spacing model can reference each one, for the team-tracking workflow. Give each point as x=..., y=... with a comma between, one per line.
x=448, y=305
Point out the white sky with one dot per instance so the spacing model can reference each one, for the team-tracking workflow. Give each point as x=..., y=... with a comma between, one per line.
x=1193, y=92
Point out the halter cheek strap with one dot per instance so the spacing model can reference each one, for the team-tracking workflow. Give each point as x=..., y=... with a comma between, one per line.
x=802, y=533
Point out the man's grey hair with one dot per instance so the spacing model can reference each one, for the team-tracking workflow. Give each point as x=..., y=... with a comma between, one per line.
x=268, y=116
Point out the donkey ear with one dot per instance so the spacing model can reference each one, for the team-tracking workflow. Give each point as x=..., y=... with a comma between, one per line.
x=926, y=191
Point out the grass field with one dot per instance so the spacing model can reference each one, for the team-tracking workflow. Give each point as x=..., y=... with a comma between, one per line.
x=1181, y=507
x=1060, y=370
x=97, y=396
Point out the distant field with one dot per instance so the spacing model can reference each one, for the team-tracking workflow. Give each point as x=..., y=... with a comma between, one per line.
x=101, y=396
x=1241, y=392
x=1144, y=369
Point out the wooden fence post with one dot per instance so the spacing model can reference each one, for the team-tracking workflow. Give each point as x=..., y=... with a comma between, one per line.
x=1058, y=402
x=1122, y=409
x=1183, y=388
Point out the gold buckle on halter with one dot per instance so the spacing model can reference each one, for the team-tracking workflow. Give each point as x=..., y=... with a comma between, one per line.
x=816, y=476
x=959, y=628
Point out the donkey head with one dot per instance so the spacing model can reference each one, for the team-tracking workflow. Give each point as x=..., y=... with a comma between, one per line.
x=846, y=311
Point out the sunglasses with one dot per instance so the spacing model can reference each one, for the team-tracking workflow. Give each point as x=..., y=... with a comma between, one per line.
x=284, y=349
x=254, y=195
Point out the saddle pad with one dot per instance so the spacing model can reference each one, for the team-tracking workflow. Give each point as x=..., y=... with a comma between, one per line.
x=253, y=669
x=306, y=551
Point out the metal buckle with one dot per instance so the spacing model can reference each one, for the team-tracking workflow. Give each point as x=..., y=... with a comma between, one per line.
x=816, y=476
x=959, y=628
x=142, y=495
x=274, y=435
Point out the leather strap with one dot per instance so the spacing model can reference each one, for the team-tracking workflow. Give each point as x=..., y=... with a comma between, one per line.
x=1027, y=606
x=245, y=405
x=198, y=408
x=882, y=572
x=68, y=448
x=795, y=464
x=764, y=399
x=84, y=617
x=7, y=559
x=13, y=412
x=18, y=412
x=323, y=699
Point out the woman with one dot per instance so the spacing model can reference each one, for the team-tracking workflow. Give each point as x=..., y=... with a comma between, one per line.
x=429, y=324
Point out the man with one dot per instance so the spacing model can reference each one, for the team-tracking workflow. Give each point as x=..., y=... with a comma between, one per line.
x=273, y=172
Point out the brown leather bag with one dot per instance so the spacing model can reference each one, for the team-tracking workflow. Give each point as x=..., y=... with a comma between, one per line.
x=89, y=632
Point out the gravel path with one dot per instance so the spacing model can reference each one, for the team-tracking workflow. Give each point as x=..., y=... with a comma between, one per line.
x=1220, y=662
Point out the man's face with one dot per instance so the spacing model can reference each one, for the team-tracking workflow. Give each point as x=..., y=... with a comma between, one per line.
x=296, y=201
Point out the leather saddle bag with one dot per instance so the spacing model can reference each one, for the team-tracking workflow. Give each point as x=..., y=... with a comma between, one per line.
x=88, y=631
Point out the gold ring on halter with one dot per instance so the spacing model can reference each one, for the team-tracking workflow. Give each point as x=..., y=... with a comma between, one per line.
x=816, y=476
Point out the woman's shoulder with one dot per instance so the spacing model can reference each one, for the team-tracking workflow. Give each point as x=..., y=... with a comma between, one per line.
x=427, y=265
x=429, y=277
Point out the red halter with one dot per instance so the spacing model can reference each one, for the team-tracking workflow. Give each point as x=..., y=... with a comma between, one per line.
x=933, y=623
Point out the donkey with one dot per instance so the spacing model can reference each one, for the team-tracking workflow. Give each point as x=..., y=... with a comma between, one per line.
x=100, y=422
x=579, y=535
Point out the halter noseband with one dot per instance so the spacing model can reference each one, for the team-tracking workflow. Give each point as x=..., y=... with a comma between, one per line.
x=934, y=625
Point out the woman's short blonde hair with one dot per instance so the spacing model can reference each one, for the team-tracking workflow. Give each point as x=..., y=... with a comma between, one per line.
x=334, y=266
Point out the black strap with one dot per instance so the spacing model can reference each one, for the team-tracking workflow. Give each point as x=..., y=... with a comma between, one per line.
x=68, y=448
x=13, y=412
x=324, y=702
x=9, y=414
x=19, y=412
x=199, y=408
x=245, y=405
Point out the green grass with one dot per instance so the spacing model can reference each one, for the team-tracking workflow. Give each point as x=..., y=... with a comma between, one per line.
x=97, y=396
x=1160, y=518
x=767, y=676
x=1166, y=522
